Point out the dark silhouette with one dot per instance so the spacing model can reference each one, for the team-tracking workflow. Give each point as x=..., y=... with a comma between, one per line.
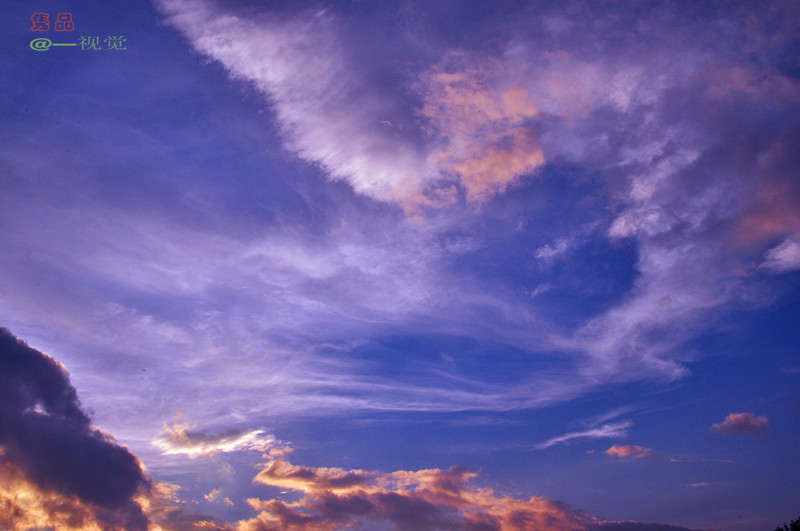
x=794, y=525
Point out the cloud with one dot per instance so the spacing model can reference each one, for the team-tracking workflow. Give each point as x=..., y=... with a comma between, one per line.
x=630, y=451
x=335, y=498
x=638, y=116
x=216, y=496
x=333, y=117
x=480, y=123
x=213, y=495
x=332, y=498
x=783, y=258
x=742, y=424
x=49, y=439
x=477, y=120
x=182, y=439
x=606, y=431
x=64, y=495
x=551, y=251
x=57, y=471
x=427, y=499
x=26, y=504
x=772, y=212
x=694, y=168
x=168, y=513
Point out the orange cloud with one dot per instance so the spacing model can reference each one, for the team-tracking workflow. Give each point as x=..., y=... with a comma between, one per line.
x=425, y=499
x=26, y=505
x=630, y=451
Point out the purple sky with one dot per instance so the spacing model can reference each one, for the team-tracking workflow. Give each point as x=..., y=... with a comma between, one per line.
x=401, y=265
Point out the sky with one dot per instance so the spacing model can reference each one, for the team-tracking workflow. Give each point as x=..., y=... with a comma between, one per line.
x=448, y=265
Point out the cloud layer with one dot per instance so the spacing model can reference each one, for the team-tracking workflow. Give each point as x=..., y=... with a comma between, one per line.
x=427, y=499
x=402, y=209
x=651, y=115
x=62, y=491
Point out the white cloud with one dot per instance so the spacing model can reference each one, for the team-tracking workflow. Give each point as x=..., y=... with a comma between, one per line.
x=611, y=430
x=183, y=439
x=783, y=258
x=328, y=113
x=551, y=251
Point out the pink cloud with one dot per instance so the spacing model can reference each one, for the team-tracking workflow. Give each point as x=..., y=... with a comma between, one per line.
x=630, y=451
x=481, y=124
x=742, y=424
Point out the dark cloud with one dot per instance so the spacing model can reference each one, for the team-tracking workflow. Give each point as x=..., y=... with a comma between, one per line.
x=45, y=433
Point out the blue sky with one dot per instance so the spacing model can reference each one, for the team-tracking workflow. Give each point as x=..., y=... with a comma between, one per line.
x=410, y=265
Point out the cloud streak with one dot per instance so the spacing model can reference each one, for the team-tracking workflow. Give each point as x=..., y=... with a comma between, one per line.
x=611, y=430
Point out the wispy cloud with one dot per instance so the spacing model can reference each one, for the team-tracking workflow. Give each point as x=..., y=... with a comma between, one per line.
x=484, y=118
x=477, y=120
x=783, y=258
x=291, y=310
x=333, y=118
x=551, y=251
x=612, y=430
